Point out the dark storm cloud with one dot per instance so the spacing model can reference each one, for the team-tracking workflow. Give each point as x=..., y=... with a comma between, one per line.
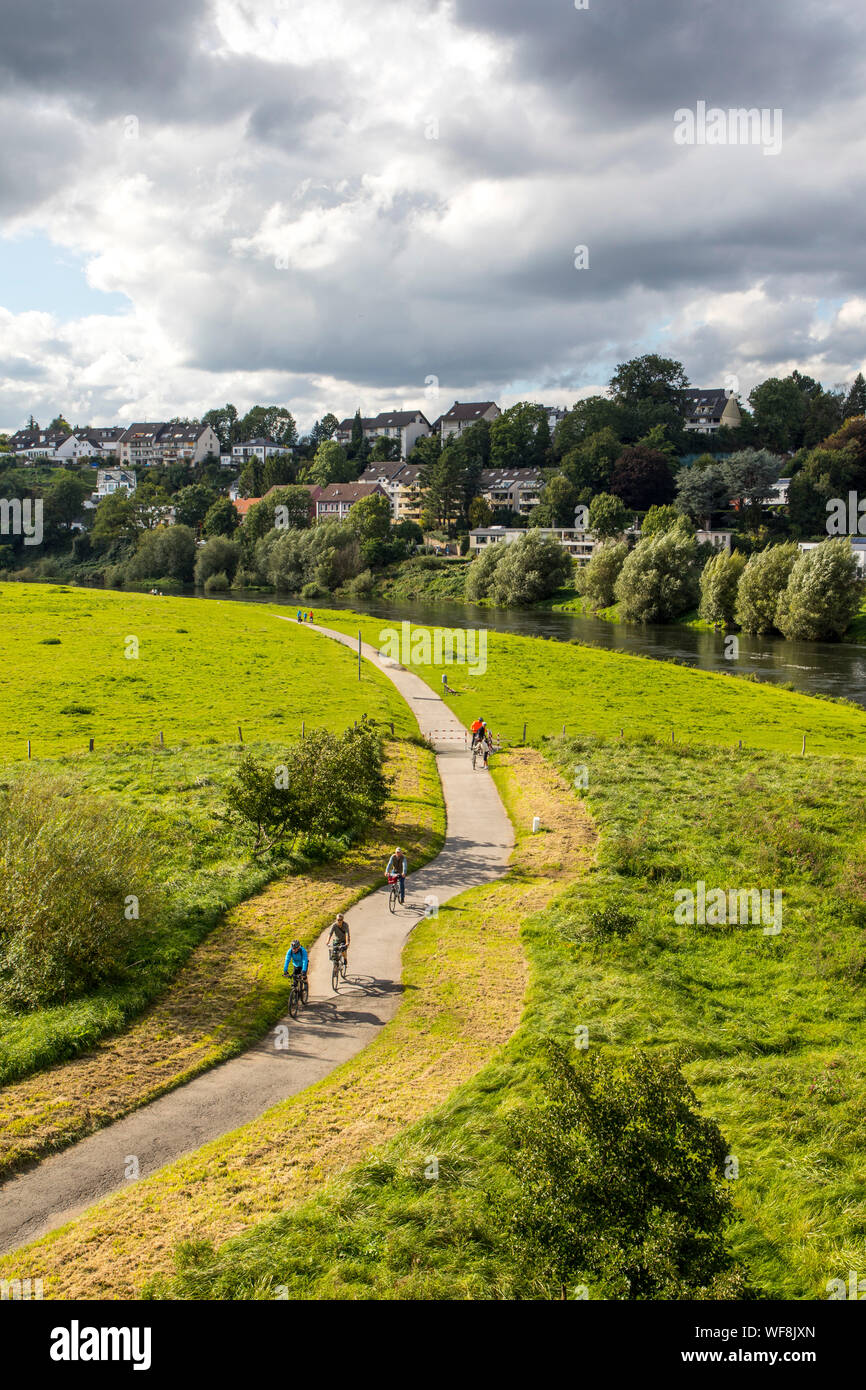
x=624, y=60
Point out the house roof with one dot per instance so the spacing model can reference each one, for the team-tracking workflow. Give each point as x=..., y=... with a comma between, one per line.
x=506, y=477
x=243, y=504
x=260, y=442
x=710, y=401
x=142, y=429
x=467, y=410
x=394, y=419
x=348, y=492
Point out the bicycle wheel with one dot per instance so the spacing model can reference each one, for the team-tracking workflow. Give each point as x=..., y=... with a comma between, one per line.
x=335, y=976
x=343, y=964
x=392, y=898
x=474, y=758
x=305, y=992
x=293, y=1002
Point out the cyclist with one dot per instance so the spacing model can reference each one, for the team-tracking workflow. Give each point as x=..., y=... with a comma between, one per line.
x=479, y=731
x=487, y=745
x=340, y=931
x=300, y=960
x=397, y=866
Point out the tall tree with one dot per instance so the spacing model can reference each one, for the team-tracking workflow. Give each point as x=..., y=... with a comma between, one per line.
x=223, y=421
x=855, y=401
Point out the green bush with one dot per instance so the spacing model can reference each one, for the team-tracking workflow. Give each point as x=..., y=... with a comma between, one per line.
x=217, y=583
x=658, y=581
x=719, y=580
x=762, y=584
x=77, y=892
x=621, y=1183
x=325, y=786
x=823, y=595
x=600, y=575
x=219, y=555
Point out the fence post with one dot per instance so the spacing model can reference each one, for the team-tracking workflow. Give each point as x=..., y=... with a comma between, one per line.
x=524, y=735
x=803, y=754
x=563, y=732
x=303, y=727
x=359, y=654
x=392, y=728
x=161, y=739
x=28, y=748
x=91, y=746
x=240, y=734
x=741, y=743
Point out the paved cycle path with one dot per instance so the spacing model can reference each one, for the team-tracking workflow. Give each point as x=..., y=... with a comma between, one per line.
x=333, y=1028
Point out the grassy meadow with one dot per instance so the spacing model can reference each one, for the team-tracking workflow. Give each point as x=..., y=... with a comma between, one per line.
x=202, y=668
x=771, y=1030
x=550, y=684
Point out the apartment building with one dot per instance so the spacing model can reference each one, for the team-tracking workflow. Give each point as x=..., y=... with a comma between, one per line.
x=579, y=544
x=335, y=501
x=517, y=489
x=260, y=449
x=401, y=483
x=146, y=444
x=463, y=414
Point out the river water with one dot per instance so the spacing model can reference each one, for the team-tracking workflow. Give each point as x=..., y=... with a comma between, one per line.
x=812, y=667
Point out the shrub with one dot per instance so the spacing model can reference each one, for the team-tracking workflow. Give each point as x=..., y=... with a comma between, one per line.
x=719, y=580
x=70, y=864
x=217, y=583
x=602, y=572
x=763, y=581
x=620, y=1183
x=219, y=555
x=532, y=568
x=166, y=551
x=658, y=581
x=823, y=594
x=326, y=785
x=479, y=580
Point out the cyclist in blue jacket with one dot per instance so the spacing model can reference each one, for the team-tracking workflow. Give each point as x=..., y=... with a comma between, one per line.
x=297, y=955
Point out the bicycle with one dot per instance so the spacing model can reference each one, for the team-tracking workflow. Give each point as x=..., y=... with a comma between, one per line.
x=300, y=992
x=394, y=892
x=337, y=954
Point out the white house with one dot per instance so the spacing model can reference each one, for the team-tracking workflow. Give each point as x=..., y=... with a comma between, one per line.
x=260, y=449
x=109, y=480
x=579, y=544
x=720, y=540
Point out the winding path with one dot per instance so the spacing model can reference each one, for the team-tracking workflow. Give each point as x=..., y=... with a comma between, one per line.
x=478, y=842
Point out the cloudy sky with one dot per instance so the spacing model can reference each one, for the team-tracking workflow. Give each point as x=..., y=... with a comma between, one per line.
x=333, y=203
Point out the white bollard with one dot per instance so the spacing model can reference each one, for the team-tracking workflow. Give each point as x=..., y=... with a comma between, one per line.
x=536, y=824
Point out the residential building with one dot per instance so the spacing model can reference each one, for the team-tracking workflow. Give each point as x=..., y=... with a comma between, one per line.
x=188, y=443
x=579, y=544
x=518, y=489
x=260, y=449
x=401, y=484
x=463, y=414
x=36, y=444
x=555, y=413
x=147, y=444
x=139, y=446
x=779, y=496
x=405, y=426
x=706, y=411
x=720, y=540
x=109, y=480
x=103, y=440
x=335, y=501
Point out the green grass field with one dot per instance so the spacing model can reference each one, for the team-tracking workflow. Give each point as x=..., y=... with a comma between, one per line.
x=772, y=1028
x=550, y=684
x=202, y=669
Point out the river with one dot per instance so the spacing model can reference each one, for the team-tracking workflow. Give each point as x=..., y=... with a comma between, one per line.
x=815, y=668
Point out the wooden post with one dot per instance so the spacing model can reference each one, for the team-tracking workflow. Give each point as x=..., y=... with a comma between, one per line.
x=28, y=748
x=303, y=727
x=91, y=746
x=161, y=739
x=622, y=733
x=392, y=727
x=240, y=734
x=359, y=654
x=672, y=735
x=803, y=754
x=563, y=731
x=524, y=735
x=741, y=743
